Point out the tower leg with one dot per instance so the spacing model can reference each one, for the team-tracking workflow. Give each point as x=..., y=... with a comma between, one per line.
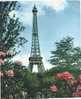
x=30, y=67
x=41, y=68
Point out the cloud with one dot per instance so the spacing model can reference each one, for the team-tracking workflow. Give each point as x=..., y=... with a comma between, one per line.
x=57, y=5
x=25, y=15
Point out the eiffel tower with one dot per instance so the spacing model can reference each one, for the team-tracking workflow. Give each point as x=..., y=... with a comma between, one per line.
x=35, y=56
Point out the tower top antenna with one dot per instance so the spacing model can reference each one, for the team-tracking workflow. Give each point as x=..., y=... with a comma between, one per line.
x=34, y=8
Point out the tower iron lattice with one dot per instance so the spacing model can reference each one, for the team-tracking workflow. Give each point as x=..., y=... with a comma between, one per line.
x=35, y=56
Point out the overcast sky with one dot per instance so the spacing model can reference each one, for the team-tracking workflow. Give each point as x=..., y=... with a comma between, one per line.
x=56, y=19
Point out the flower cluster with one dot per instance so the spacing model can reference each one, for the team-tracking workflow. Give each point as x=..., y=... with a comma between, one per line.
x=74, y=85
x=9, y=73
x=64, y=75
x=77, y=94
x=5, y=54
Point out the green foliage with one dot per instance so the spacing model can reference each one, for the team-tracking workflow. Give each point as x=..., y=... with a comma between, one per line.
x=10, y=28
x=65, y=54
x=59, y=69
x=10, y=39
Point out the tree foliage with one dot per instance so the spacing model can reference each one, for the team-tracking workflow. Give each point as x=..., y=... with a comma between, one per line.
x=10, y=38
x=10, y=28
x=65, y=53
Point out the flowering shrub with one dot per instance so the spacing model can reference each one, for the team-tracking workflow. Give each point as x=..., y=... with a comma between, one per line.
x=70, y=86
x=10, y=75
x=3, y=55
x=69, y=83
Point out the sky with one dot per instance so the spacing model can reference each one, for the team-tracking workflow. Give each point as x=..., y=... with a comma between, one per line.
x=56, y=20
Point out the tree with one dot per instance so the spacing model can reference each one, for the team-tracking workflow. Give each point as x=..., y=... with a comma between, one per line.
x=10, y=28
x=77, y=57
x=10, y=38
x=65, y=54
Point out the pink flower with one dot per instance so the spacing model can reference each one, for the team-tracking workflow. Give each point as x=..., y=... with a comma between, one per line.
x=60, y=76
x=10, y=73
x=77, y=94
x=2, y=54
x=79, y=87
x=18, y=62
x=79, y=77
x=54, y=88
x=65, y=75
x=1, y=74
x=1, y=62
